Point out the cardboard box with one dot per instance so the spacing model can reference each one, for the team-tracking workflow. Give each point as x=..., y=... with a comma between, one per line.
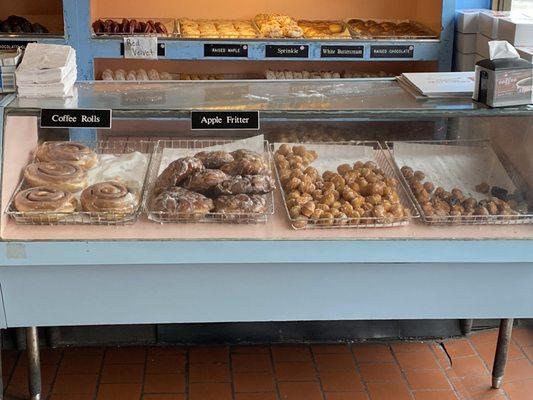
x=526, y=53
x=504, y=82
x=464, y=62
x=467, y=21
x=465, y=42
x=482, y=45
x=518, y=32
x=489, y=21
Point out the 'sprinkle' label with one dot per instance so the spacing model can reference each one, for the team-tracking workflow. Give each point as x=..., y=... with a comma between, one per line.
x=287, y=51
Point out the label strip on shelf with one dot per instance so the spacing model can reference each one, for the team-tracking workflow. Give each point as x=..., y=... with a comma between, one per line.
x=76, y=118
x=225, y=120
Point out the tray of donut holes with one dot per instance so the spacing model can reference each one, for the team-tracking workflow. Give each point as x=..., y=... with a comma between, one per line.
x=217, y=181
x=340, y=185
x=68, y=183
x=462, y=182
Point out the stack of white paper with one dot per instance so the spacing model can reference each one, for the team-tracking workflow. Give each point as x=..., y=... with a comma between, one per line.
x=47, y=70
x=438, y=84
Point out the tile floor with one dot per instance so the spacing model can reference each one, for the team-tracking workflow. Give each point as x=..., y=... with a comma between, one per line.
x=456, y=369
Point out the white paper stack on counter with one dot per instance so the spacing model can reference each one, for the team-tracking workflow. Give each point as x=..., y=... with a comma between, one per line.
x=47, y=70
x=435, y=85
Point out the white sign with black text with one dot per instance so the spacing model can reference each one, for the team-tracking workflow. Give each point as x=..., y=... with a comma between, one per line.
x=140, y=47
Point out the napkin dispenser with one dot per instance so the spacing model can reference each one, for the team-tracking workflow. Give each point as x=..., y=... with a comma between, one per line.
x=505, y=79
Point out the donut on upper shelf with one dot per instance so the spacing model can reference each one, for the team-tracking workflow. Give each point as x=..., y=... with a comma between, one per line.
x=217, y=28
x=132, y=26
x=16, y=24
x=382, y=29
x=278, y=26
x=324, y=29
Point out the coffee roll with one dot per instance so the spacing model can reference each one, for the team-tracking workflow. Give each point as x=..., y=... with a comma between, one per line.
x=72, y=152
x=109, y=197
x=58, y=174
x=45, y=199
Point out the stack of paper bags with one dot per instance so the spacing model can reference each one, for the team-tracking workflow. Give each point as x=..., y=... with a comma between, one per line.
x=47, y=70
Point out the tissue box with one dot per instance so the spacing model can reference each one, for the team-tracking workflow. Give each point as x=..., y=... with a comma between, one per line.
x=464, y=62
x=482, y=45
x=518, y=32
x=526, y=53
x=465, y=42
x=504, y=82
x=467, y=21
x=489, y=21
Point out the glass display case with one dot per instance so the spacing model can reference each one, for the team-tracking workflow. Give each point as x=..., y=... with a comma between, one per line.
x=336, y=200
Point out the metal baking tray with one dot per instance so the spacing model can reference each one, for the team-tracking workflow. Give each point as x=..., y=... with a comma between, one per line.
x=344, y=35
x=193, y=147
x=374, y=153
x=170, y=24
x=236, y=36
x=461, y=164
x=112, y=147
x=359, y=34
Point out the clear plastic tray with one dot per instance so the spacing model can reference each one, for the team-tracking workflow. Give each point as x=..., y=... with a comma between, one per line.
x=374, y=153
x=196, y=146
x=113, y=147
x=218, y=36
x=344, y=35
x=461, y=164
x=361, y=34
x=170, y=25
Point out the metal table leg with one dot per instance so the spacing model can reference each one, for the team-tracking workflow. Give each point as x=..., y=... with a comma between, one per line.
x=466, y=326
x=34, y=363
x=502, y=350
x=1, y=380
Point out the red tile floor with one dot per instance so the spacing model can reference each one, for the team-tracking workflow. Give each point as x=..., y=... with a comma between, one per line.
x=456, y=369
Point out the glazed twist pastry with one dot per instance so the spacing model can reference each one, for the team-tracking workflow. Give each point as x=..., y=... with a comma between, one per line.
x=240, y=204
x=45, y=199
x=204, y=181
x=72, y=152
x=177, y=172
x=250, y=184
x=58, y=174
x=214, y=159
x=109, y=197
x=177, y=202
x=245, y=153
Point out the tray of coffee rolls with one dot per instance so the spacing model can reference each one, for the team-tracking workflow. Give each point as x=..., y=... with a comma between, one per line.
x=208, y=181
x=341, y=185
x=70, y=183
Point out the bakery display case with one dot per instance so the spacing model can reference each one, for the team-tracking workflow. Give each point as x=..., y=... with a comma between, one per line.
x=346, y=199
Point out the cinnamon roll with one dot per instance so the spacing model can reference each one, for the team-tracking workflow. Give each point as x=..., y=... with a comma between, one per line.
x=45, y=199
x=110, y=197
x=58, y=174
x=73, y=152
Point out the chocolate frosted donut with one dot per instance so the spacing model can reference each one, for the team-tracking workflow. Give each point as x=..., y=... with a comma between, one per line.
x=58, y=174
x=73, y=152
x=177, y=172
x=177, y=202
x=109, y=197
x=45, y=199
